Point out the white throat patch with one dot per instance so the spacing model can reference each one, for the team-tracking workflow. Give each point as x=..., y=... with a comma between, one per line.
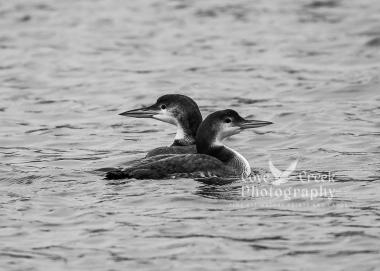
x=166, y=117
x=169, y=118
x=180, y=133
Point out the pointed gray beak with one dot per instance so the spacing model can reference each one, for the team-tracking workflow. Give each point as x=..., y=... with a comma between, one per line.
x=144, y=112
x=247, y=124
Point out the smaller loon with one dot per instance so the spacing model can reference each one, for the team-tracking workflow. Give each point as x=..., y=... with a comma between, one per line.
x=176, y=109
x=213, y=158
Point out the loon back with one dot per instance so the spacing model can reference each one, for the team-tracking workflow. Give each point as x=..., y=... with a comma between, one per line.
x=172, y=150
x=182, y=165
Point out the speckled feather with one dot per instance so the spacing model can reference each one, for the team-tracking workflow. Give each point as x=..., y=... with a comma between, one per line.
x=172, y=150
x=186, y=165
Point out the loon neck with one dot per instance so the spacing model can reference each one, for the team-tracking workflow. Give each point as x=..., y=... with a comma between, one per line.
x=239, y=163
x=185, y=133
x=228, y=156
x=183, y=142
x=183, y=137
x=222, y=152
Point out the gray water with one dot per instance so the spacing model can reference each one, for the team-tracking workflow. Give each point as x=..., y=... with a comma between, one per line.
x=67, y=68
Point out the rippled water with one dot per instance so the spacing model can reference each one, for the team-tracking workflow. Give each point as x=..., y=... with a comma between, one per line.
x=68, y=67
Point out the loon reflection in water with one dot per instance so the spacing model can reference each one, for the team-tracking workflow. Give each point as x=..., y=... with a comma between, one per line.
x=176, y=109
x=213, y=158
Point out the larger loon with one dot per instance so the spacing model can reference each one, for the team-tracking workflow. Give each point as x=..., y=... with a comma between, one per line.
x=176, y=109
x=213, y=159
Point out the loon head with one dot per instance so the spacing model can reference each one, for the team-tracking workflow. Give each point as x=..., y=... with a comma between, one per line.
x=220, y=125
x=224, y=123
x=176, y=109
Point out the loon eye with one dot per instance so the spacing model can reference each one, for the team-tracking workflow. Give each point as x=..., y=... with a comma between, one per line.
x=163, y=106
x=227, y=120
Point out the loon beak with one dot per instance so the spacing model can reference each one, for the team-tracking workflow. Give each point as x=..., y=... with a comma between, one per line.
x=144, y=112
x=247, y=124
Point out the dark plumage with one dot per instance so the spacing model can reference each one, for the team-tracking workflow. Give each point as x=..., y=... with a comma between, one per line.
x=173, y=149
x=213, y=158
x=187, y=165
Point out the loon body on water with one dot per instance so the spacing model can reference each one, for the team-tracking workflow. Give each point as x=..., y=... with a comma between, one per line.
x=176, y=109
x=213, y=158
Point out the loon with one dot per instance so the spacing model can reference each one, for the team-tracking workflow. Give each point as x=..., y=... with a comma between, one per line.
x=213, y=158
x=176, y=109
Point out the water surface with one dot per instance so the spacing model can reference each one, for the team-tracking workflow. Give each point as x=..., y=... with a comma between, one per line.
x=68, y=67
